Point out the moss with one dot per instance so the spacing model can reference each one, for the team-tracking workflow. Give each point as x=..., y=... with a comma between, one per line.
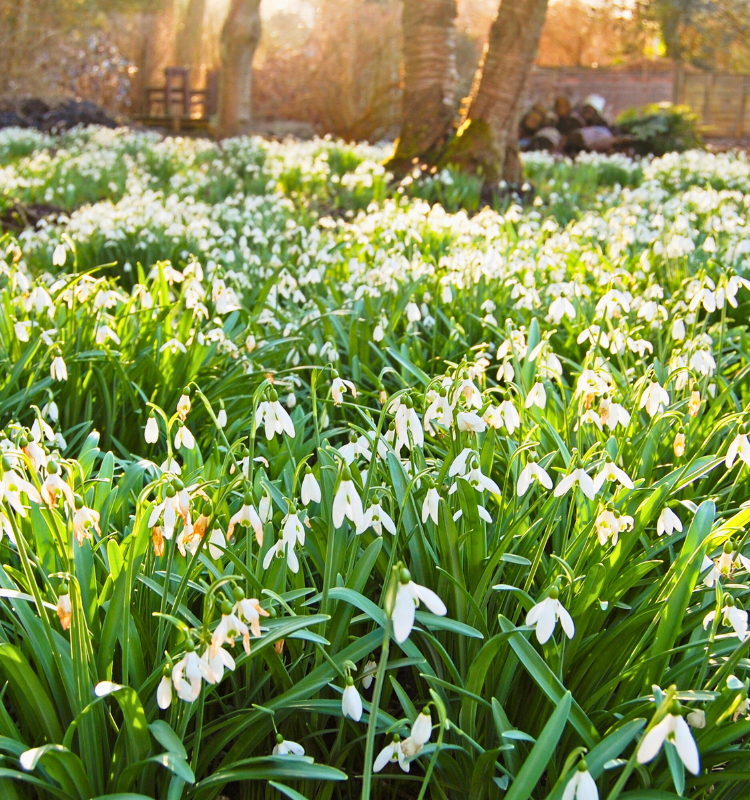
x=472, y=150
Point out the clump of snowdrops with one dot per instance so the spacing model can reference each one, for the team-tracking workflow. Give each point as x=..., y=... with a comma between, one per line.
x=402, y=501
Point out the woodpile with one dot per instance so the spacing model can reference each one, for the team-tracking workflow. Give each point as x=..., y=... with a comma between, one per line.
x=35, y=113
x=568, y=129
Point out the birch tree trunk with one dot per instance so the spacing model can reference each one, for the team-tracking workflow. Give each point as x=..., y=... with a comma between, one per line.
x=239, y=38
x=487, y=141
x=429, y=79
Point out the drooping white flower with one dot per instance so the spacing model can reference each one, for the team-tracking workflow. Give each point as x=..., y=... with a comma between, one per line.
x=310, y=490
x=439, y=411
x=578, y=477
x=407, y=423
x=12, y=486
x=282, y=549
x=247, y=516
x=216, y=540
x=408, y=596
x=609, y=523
x=188, y=673
x=58, y=370
x=611, y=472
x=217, y=661
x=376, y=518
x=351, y=702
x=613, y=414
x=338, y=387
x=531, y=472
x=668, y=522
x=537, y=396
x=421, y=730
x=59, y=255
x=431, y=505
x=347, y=502
x=368, y=673
x=469, y=421
x=509, y=415
x=734, y=617
x=292, y=529
x=221, y=418
x=230, y=626
x=284, y=747
x=675, y=730
x=739, y=448
x=274, y=417
x=581, y=786
x=151, y=433
x=391, y=752
x=164, y=693
x=654, y=398
x=544, y=616
x=184, y=438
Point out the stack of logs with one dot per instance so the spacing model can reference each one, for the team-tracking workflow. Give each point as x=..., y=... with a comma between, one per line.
x=566, y=129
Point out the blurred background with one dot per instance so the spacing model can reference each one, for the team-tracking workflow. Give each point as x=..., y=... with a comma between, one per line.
x=334, y=66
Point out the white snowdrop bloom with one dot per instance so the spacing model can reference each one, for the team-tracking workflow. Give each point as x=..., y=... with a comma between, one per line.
x=471, y=394
x=678, y=329
x=174, y=346
x=578, y=477
x=215, y=541
x=282, y=549
x=103, y=333
x=509, y=415
x=151, y=433
x=739, y=448
x=537, y=396
x=431, y=505
x=184, y=438
x=531, y=472
x=338, y=387
x=704, y=297
x=58, y=370
x=440, y=411
x=310, y=490
x=675, y=730
x=609, y=523
x=654, y=398
x=351, y=702
x=732, y=287
x=613, y=414
x=391, y=752
x=709, y=245
x=357, y=446
x=217, y=662
x=22, y=329
x=377, y=519
x=247, y=516
x=594, y=334
x=408, y=597
x=347, y=502
x=188, y=673
x=368, y=673
x=469, y=421
x=560, y=308
x=590, y=417
x=733, y=617
x=274, y=417
x=668, y=522
x=421, y=730
x=284, y=747
x=164, y=693
x=721, y=567
x=230, y=626
x=407, y=422
x=292, y=529
x=611, y=472
x=581, y=786
x=544, y=616
x=461, y=463
x=378, y=333
x=221, y=418
x=703, y=363
x=59, y=255
x=478, y=479
x=413, y=314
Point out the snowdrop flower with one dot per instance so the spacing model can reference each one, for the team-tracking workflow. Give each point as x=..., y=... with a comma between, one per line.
x=668, y=522
x=413, y=314
x=471, y=394
x=532, y=472
x=721, y=568
x=347, y=502
x=151, y=433
x=292, y=529
x=469, y=421
x=732, y=616
x=217, y=662
x=391, y=752
x=275, y=417
x=431, y=505
x=675, y=730
x=64, y=609
x=338, y=388
x=421, y=730
x=216, y=541
x=544, y=616
x=654, y=398
x=183, y=404
x=12, y=486
x=229, y=627
x=54, y=486
x=247, y=516
x=733, y=285
x=310, y=491
x=164, y=691
x=368, y=674
x=611, y=472
x=739, y=448
x=284, y=747
x=678, y=329
x=59, y=255
x=407, y=422
x=581, y=786
x=509, y=415
x=696, y=718
x=439, y=410
x=250, y=610
x=408, y=597
x=378, y=333
x=357, y=446
x=351, y=702
x=613, y=414
x=560, y=308
x=578, y=477
x=705, y=297
x=84, y=521
x=188, y=672
x=173, y=345
x=58, y=370
x=184, y=438
x=377, y=519
x=537, y=396
x=21, y=329
x=282, y=549
x=221, y=418
x=609, y=523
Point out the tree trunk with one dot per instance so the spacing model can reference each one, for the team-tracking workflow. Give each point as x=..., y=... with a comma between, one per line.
x=487, y=141
x=239, y=38
x=429, y=79
x=189, y=46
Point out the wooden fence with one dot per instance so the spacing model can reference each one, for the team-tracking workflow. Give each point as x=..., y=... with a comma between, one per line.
x=721, y=100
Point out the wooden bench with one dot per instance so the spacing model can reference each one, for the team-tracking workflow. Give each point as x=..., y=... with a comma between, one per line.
x=177, y=105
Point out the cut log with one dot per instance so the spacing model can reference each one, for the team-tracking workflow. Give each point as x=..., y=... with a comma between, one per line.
x=547, y=139
x=570, y=123
x=562, y=106
x=592, y=114
x=533, y=120
x=596, y=138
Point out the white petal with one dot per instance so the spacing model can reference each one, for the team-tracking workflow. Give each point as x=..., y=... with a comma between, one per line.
x=566, y=621
x=384, y=758
x=652, y=741
x=687, y=749
x=430, y=599
x=403, y=614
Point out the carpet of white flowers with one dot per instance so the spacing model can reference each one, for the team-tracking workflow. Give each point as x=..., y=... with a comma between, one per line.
x=318, y=485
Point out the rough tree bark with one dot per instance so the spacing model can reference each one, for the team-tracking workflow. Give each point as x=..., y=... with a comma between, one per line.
x=239, y=38
x=487, y=140
x=189, y=45
x=429, y=79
